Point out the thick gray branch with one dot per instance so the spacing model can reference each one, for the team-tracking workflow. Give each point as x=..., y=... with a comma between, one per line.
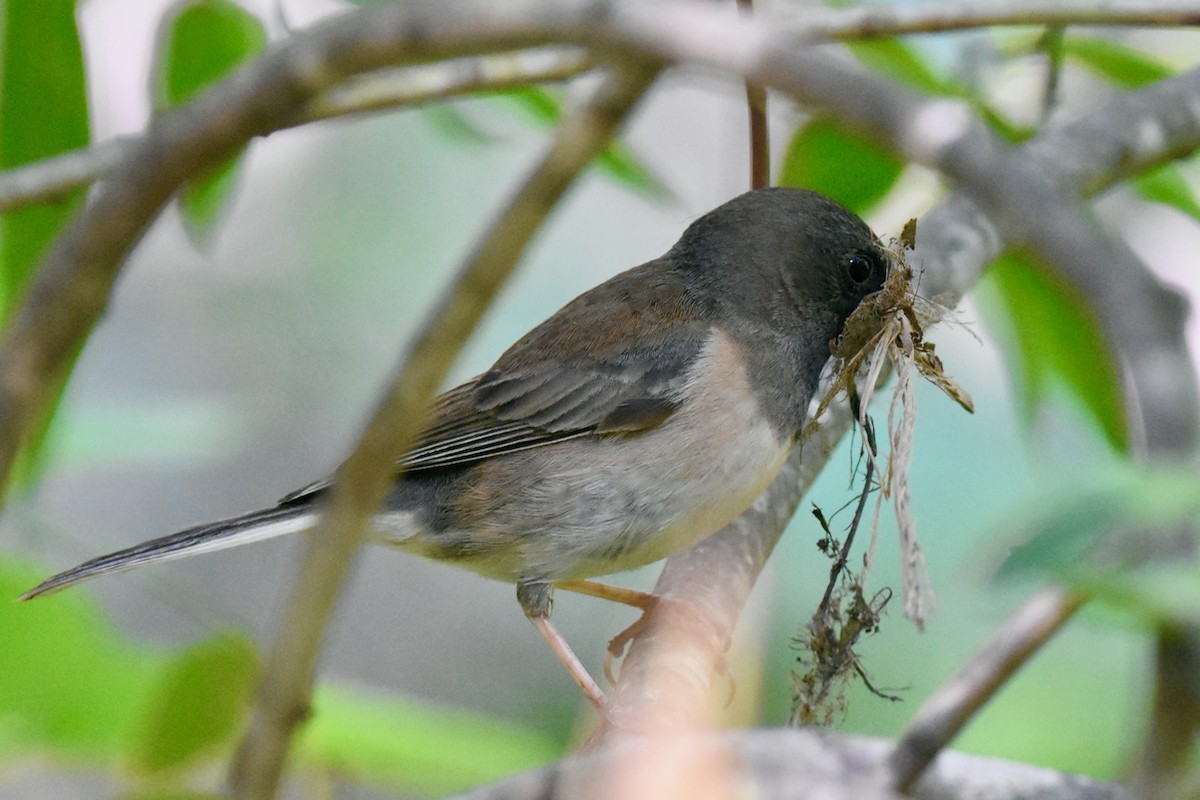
x=781, y=764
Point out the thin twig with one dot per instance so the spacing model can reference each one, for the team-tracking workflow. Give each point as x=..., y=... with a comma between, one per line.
x=955, y=702
x=869, y=474
x=756, y=105
x=369, y=473
x=865, y=22
x=412, y=86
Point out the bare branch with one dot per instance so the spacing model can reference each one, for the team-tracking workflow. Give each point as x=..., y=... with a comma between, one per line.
x=399, y=88
x=783, y=764
x=756, y=105
x=873, y=21
x=955, y=241
x=54, y=178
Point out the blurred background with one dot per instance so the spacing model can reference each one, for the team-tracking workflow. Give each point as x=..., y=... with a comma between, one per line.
x=228, y=372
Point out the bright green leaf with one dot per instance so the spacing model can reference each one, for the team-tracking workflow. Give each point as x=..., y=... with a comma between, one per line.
x=1116, y=62
x=542, y=105
x=198, y=707
x=203, y=199
x=43, y=112
x=1057, y=339
x=415, y=747
x=853, y=170
x=199, y=44
x=68, y=681
x=619, y=162
x=1167, y=185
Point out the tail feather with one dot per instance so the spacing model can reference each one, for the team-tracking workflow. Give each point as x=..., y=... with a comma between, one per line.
x=252, y=527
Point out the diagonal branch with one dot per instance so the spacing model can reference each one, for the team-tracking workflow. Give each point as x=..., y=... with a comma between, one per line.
x=365, y=478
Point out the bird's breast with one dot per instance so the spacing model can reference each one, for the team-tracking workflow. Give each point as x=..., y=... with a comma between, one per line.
x=601, y=504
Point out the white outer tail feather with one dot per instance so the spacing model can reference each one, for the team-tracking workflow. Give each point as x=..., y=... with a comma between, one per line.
x=234, y=532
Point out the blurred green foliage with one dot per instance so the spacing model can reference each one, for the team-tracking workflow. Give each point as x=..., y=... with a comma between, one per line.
x=1057, y=341
x=43, y=112
x=75, y=690
x=71, y=685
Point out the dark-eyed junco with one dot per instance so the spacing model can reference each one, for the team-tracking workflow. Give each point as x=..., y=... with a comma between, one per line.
x=642, y=417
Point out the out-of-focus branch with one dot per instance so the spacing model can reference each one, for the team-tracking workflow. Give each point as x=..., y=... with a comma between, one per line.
x=782, y=764
x=756, y=106
x=400, y=88
x=864, y=22
x=365, y=478
x=945, y=713
x=53, y=178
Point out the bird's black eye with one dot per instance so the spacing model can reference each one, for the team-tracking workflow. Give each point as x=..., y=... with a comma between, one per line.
x=860, y=267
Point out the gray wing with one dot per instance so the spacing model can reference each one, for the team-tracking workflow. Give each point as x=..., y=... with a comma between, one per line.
x=614, y=361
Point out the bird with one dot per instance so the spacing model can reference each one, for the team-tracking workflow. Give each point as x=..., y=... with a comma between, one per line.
x=640, y=418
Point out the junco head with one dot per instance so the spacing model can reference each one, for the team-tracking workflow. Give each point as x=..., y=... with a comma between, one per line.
x=643, y=416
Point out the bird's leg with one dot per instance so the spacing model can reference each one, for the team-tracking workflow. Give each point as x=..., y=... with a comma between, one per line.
x=617, y=594
x=631, y=597
x=536, y=600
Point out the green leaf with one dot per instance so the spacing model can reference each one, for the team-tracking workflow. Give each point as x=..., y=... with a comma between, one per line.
x=1061, y=531
x=1167, y=185
x=414, y=747
x=43, y=112
x=202, y=200
x=1058, y=340
x=68, y=681
x=1116, y=62
x=199, y=44
x=1102, y=539
x=544, y=106
x=900, y=61
x=199, y=705
x=825, y=157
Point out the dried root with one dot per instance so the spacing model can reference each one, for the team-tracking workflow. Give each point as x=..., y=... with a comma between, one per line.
x=887, y=330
